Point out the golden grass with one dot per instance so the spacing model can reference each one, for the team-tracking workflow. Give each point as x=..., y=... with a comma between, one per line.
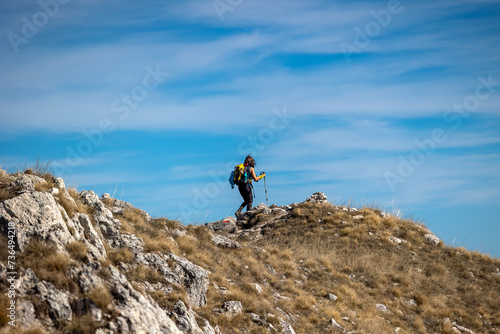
x=321, y=250
x=48, y=264
x=77, y=250
x=83, y=324
x=100, y=296
x=124, y=255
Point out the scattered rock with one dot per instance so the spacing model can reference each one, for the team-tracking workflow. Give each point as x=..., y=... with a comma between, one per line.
x=223, y=242
x=258, y=288
x=255, y=318
x=382, y=308
x=432, y=238
x=462, y=329
x=356, y=217
x=227, y=224
x=332, y=297
x=335, y=324
x=232, y=307
x=397, y=241
x=317, y=197
x=286, y=327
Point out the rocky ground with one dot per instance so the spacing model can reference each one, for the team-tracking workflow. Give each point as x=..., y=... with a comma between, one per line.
x=88, y=264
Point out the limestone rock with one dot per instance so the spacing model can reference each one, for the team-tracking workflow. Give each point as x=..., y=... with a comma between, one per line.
x=94, y=242
x=227, y=224
x=58, y=301
x=432, y=238
x=232, y=307
x=382, y=308
x=286, y=327
x=26, y=182
x=25, y=315
x=138, y=313
x=119, y=206
x=188, y=321
x=35, y=214
x=335, y=324
x=194, y=278
x=223, y=242
x=317, y=197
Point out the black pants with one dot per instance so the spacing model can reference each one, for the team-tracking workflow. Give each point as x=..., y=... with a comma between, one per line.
x=246, y=192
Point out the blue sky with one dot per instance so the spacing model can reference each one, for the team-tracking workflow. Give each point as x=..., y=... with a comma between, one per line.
x=393, y=104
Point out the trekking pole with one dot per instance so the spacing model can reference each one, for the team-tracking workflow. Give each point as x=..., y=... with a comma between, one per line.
x=265, y=187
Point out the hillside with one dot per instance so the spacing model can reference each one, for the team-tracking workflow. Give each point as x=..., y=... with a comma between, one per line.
x=80, y=263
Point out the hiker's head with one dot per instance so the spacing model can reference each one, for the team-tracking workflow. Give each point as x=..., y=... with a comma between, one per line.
x=249, y=161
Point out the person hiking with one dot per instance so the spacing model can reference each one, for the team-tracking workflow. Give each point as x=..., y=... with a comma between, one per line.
x=245, y=186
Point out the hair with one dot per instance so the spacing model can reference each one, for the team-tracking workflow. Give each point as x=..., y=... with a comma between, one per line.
x=249, y=161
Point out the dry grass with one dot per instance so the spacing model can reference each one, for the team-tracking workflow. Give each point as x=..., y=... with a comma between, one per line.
x=77, y=250
x=48, y=264
x=101, y=297
x=124, y=255
x=143, y=273
x=80, y=206
x=318, y=250
x=6, y=193
x=81, y=325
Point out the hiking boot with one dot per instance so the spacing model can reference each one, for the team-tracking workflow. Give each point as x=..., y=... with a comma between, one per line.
x=237, y=213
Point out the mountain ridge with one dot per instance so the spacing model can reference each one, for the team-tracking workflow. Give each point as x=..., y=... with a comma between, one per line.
x=80, y=263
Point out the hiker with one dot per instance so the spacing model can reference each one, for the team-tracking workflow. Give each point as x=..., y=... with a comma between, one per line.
x=245, y=185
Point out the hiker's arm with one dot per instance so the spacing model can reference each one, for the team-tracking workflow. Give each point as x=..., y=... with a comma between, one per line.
x=255, y=177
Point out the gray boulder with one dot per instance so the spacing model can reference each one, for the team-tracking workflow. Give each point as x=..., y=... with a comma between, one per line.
x=26, y=182
x=138, y=313
x=223, y=242
x=58, y=301
x=119, y=206
x=91, y=237
x=185, y=319
x=432, y=238
x=193, y=277
x=25, y=315
x=317, y=197
x=232, y=307
x=35, y=214
x=227, y=224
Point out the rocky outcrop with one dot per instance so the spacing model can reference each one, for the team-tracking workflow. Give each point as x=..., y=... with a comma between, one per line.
x=35, y=215
x=223, y=242
x=317, y=198
x=227, y=224
x=193, y=277
x=139, y=313
x=122, y=272
x=119, y=206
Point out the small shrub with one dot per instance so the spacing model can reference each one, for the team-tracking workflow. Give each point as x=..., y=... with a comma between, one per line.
x=77, y=250
x=81, y=325
x=145, y=273
x=48, y=264
x=123, y=254
x=100, y=296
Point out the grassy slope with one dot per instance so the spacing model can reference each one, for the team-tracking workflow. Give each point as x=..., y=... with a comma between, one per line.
x=315, y=250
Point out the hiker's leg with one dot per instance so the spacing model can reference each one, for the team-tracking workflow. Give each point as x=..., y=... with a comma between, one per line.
x=250, y=198
x=243, y=193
